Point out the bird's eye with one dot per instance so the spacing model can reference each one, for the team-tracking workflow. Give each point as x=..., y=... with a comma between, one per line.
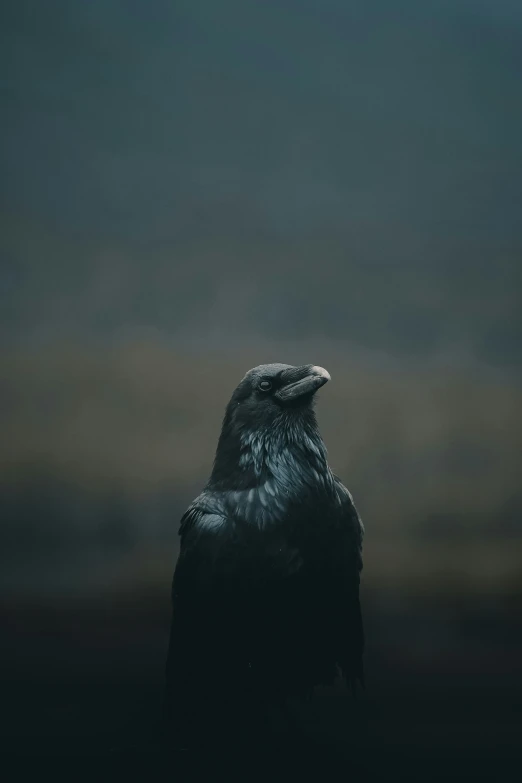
x=265, y=385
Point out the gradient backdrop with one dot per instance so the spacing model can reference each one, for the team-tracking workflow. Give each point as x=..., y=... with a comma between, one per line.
x=191, y=188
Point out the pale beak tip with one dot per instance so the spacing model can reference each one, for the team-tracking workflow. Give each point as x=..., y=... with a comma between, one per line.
x=321, y=372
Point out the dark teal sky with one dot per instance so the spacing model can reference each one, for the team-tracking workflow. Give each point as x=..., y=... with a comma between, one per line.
x=348, y=171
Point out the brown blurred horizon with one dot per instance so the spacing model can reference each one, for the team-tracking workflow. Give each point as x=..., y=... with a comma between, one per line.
x=129, y=431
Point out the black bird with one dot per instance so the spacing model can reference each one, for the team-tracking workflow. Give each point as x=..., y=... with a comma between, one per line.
x=266, y=587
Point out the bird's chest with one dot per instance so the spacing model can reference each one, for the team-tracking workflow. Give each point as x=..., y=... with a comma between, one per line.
x=289, y=550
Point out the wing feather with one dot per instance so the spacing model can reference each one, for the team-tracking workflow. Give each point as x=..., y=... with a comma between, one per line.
x=351, y=636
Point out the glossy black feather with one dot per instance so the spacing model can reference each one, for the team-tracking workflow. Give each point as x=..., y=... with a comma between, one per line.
x=266, y=588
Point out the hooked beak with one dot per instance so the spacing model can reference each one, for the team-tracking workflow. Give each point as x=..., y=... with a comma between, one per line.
x=302, y=381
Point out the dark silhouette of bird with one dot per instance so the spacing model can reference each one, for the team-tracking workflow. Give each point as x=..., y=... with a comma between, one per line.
x=265, y=593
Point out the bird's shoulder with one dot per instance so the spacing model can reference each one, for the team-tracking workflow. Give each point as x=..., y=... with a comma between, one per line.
x=203, y=532
x=347, y=504
x=350, y=520
x=204, y=514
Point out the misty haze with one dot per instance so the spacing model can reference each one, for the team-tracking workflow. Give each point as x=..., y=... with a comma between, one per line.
x=192, y=189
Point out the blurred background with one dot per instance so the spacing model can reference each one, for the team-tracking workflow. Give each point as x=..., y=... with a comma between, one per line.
x=193, y=188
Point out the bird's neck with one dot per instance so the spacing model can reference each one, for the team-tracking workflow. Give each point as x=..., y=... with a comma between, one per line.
x=285, y=457
x=261, y=474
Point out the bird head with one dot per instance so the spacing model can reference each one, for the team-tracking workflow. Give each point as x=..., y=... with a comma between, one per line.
x=270, y=390
x=272, y=406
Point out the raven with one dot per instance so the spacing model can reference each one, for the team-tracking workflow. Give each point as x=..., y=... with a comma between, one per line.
x=265, y=594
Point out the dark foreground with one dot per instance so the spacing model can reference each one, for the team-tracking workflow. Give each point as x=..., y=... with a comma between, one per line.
x=113, y=729
x=82, y=692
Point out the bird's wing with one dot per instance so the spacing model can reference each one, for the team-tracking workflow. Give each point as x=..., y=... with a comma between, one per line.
x=195, y=615
x=351, y=633
x=195, y=569
x=352, y=522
